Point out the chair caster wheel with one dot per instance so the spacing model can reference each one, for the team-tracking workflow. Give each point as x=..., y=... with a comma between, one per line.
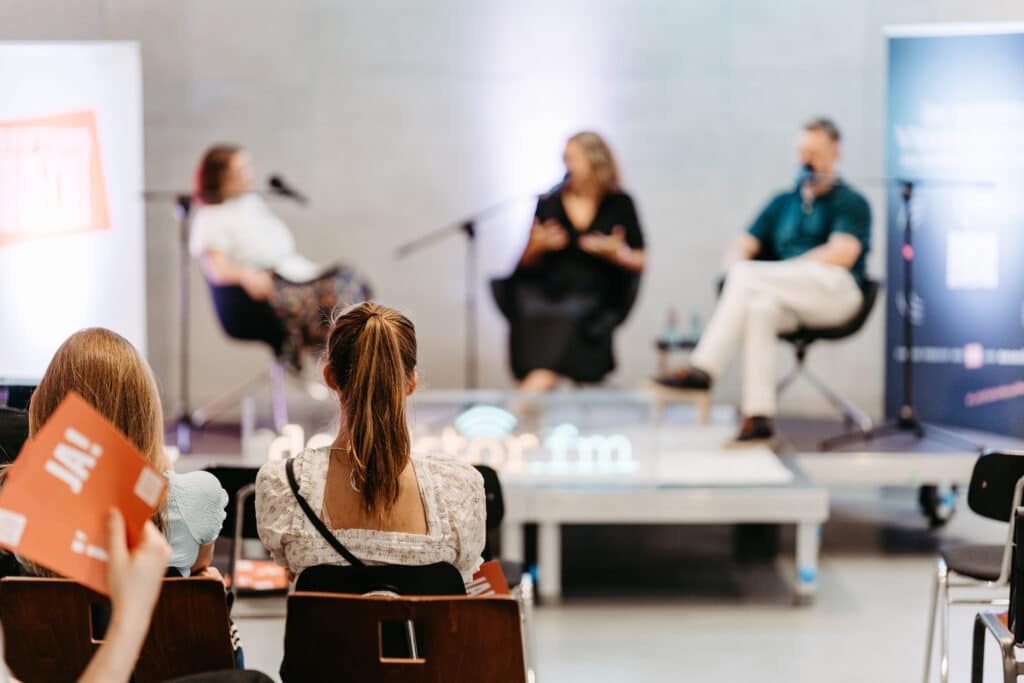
x=938, y=506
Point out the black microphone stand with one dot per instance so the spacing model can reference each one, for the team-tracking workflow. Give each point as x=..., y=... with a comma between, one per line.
x=182, y=413
x=467, y=227
x=908, y=421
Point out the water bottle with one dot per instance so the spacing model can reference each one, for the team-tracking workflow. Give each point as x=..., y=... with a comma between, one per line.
x=694, y=325
x=671, y=333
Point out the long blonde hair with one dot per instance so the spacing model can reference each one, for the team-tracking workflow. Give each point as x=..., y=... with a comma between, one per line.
x=111, y=375
x=371, y=353
x=108, y=372
x=601, y=159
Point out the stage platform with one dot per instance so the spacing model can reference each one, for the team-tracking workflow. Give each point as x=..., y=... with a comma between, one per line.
x=605, y=457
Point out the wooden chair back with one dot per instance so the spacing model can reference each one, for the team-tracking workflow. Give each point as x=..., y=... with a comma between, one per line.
x=190, y=632
x=338, y=637
x=48, y=629
x=52, y=628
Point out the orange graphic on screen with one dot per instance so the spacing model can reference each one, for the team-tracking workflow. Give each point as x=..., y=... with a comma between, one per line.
x=51, y=178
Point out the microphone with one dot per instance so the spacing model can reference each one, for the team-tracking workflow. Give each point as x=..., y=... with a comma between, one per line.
x=279, y=186
x=805, y=175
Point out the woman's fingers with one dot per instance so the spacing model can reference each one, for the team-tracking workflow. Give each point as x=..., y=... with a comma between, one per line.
x=117, y=542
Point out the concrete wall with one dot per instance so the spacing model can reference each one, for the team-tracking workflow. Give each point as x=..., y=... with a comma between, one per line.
x=397, y=117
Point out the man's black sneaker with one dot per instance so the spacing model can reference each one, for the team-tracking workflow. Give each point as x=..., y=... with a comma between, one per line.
x=686, y=378
x=755, y=429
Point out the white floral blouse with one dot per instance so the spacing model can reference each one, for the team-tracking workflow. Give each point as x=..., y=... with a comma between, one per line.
x=453, y=499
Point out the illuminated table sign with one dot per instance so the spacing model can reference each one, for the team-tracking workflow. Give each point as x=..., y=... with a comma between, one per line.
x=484, y=435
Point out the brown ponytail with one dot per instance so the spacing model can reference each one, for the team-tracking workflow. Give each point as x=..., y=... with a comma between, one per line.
x=372, y=355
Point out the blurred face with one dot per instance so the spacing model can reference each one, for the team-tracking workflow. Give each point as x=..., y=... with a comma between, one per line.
x=814, y=147
x=577, y=165
x=238, y=179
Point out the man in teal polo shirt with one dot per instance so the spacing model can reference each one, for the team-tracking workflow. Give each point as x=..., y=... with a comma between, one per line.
x=800, y=264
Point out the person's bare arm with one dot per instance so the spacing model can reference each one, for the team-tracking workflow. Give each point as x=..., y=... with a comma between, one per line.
x=544, y=237
x=134, y=579
x=614, y=248
x=221, y=270
x=743, y=248
x=203, y=559
x=841, y=250
x=632, y=259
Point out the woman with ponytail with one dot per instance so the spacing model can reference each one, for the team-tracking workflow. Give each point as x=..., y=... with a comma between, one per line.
x=384, y=503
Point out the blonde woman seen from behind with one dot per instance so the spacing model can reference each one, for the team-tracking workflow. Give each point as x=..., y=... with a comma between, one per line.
x=111, y=375
x=384, y=503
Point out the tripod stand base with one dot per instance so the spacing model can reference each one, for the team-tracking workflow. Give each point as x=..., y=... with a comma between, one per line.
x=906, y=424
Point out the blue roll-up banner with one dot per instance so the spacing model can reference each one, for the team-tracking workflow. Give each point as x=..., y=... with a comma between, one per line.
x=956, y=125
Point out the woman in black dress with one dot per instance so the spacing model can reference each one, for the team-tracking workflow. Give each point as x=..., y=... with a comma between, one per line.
x=579, y=274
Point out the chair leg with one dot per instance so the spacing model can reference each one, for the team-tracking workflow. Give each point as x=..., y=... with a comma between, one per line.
x=845, y=407
x=410, y=636
x=939, y=569
x=978, y=651
x=989, y=621
x=789, y=378
x=226, y=401
x=525, y=591
x=943, y=585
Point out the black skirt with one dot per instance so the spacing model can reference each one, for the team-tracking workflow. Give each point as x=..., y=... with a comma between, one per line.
x=562, y=310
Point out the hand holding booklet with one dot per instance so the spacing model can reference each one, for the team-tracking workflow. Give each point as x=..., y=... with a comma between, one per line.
x=489, y=580
x=58, y=493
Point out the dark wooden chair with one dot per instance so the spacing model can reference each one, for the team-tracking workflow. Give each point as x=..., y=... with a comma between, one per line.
x=459, y=638
x=50, y=633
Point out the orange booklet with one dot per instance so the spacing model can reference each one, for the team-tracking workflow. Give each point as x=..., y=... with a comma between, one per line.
x=55, y=501
x=259, y=575
x=488, y=580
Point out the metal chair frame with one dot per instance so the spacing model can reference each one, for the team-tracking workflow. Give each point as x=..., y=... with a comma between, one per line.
x=947, y=580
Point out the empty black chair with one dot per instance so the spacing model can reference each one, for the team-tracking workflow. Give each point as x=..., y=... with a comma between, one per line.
x=240, y=524
x=802, y=339
x=495, y=502
x=995, y=492
x=520, y=581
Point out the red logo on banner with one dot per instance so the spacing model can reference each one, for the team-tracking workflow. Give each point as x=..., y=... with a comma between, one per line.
x=51, y=178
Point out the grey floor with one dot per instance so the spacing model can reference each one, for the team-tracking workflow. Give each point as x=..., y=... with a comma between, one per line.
x=868, y=623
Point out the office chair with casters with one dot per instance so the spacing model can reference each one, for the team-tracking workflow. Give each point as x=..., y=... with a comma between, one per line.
x=244, y=319
x=997, y=482
x=801, y=341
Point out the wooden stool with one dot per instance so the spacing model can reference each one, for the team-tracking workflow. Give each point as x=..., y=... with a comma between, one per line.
x=664, y=395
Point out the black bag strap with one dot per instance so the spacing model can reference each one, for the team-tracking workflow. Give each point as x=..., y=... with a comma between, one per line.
x=317, y=522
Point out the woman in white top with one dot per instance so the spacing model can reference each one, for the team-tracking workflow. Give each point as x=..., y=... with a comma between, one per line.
x=239, y=242
x=385, y=504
